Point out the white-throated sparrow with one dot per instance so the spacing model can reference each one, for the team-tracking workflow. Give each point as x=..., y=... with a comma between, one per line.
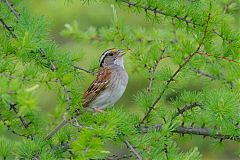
x=107, y=88
x=110, y=83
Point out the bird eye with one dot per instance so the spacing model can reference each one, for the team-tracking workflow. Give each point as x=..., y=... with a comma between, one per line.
x=109, y=54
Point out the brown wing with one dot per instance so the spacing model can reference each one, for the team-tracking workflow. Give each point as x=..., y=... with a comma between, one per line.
x=98, y=85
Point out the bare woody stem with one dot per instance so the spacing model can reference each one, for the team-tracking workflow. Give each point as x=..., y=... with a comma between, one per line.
x=132, y=149
x=12, y=130
x=22, y=120
x=157, y=11
x=187, y=107
x=187, y=60
x=8, y=28
x=153, y=70
x=204, y=74
x=218, y=57
x=55, y=130
x=85, y=70
x=10, y=6
x=192, y=131
x=226, y=6
x=212, y=77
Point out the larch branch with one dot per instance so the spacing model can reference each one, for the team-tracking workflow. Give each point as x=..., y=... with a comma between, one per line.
x=10, y=6
x=153, y=70
x=187, y=60
x=218, y=57
x=12, y=130
x=187, y=107
x=158, y=11
x=83, y=69
x=132, y=149
x=192, y=131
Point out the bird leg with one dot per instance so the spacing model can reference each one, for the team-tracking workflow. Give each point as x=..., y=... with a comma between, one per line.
x=98, y=110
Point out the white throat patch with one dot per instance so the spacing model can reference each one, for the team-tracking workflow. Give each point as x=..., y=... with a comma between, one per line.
x=119, y=61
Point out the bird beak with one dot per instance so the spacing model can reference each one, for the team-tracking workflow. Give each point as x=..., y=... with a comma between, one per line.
x=121, y=54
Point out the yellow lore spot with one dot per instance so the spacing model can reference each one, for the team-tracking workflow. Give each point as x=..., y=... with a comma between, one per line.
x=114, y=50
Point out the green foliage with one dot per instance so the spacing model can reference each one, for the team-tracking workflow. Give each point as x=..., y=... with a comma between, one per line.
x=189, y=42
x=6, y=148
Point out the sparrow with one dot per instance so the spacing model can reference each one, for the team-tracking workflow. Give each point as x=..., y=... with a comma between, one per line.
x=108, y=87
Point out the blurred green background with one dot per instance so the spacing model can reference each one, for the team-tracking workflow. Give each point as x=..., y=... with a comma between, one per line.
x=61, y=12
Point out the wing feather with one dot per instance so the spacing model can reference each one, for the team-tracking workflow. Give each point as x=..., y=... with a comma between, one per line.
x=97, y=86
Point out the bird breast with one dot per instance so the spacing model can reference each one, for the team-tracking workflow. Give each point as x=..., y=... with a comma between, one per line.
x=114, y=90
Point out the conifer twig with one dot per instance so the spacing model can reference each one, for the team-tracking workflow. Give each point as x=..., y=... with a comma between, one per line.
x=218, y=57
x=158, y=11
x=202, y=73
x=13, y=131
x=192, y=131
x=186, y=19
x=212, y=77
x=132, y=149
x=23, y=79
x=187, y=60
x=175, y=40
x=22, y=120
x=153, y=70
x=8, y=28
x=10, y=6
x=83, y=69
x=224, y=38
x=66, y=92
x=227, y=5
x=53, y=68
x=187, y=107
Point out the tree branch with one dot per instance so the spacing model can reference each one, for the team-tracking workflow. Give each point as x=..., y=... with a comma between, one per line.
x=186, y=19
x=43, y=54
x=8, y=28
x=54, y=69
x=66, y=92
x=132, y=149
x=85, y=70
x=67, y=95
x=187, y=60
x=226, y=6
x=157, y=11
x=22, y=120
x=212, y=77
x=187, y=107
x=153, y=70
x=10, y=6
x=25, y=79
x=218, y=57
x=202, y=73
x=13, y=131
x=192, y=131
x=175, y=40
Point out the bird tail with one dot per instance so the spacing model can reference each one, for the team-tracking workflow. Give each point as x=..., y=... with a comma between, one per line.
x=55, y=130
